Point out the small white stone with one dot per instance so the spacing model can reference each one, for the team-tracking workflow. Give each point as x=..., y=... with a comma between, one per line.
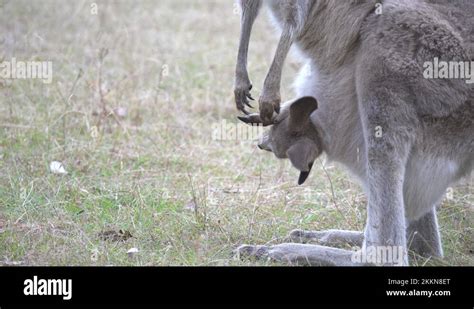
x=121, y=112
x=57, y=168
x=132, y=251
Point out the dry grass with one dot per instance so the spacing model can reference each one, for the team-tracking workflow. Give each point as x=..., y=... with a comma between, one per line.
x=185, y=198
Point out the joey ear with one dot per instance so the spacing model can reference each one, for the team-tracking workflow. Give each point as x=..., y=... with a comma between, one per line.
x=300, y=110
x=302, y=155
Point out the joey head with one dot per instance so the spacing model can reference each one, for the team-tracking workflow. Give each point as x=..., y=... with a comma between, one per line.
x=292, y=135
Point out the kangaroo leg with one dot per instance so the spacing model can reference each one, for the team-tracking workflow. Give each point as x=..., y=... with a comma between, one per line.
x=270, y=98
x=329, y=238
x=242, y=86
x=299, y=254
x=293, y=20
x=389, y=130
x=424, y=237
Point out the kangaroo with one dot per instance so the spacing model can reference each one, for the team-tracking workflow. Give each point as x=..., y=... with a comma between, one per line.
x=365, y=102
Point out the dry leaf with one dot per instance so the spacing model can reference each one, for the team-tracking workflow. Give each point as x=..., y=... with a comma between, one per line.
x=121, y=235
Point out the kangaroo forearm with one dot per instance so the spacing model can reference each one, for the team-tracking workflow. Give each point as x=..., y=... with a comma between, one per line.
x=273, y=78
x=250, y=10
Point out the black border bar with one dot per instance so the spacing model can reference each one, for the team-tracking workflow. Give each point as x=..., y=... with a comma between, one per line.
x=240, y=285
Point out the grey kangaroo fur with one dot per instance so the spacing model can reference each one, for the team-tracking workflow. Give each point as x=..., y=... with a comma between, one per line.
x=363, y=101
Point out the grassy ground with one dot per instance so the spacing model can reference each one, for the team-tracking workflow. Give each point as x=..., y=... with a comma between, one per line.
x=153, y=169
